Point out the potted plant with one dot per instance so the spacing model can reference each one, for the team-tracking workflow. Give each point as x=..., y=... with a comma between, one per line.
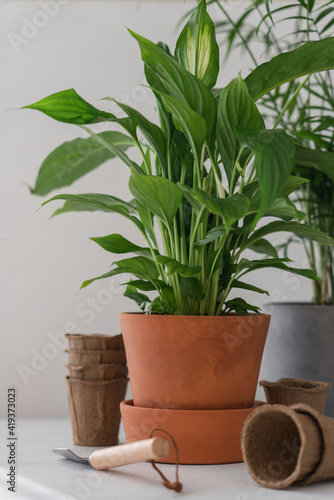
x=301, y=340
x=211, y=172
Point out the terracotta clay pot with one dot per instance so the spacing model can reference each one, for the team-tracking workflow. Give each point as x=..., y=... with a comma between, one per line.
x=202, y=436
x=194, y=362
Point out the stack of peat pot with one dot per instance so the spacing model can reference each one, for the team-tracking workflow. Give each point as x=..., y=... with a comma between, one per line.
x=96, y=383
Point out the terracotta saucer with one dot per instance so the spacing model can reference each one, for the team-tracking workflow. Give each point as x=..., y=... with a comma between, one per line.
x=202, y=436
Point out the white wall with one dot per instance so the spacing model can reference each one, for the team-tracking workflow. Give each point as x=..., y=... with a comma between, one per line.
x=84, y=45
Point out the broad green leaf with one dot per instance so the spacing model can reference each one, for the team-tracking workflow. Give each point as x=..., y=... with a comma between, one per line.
x=302, y=230
x=152, y=132
x=109, y=274
x=247, y=286
x=249, y=266
x=67, y=106
x=188, y=194
x=141, y=267
x=311, y=57
x=188, y=121
x=74, y=159
x=147, y=286
x=179, y=83
x=319, y=160
x=213, y=234
x=253, y=192
x=235, y=107
x=192, y=287
x=115, y=243
x=115, y=150
x=158, y=194
x=273, y=150
x=264, y=247
x=169, y=297
x=292, y=183
x=147, y=218
x=93, y=202
x=230, y=209
x=173, y=266
x=284, y=209
x=240, y=306
x=197, y=49
x=140, y=299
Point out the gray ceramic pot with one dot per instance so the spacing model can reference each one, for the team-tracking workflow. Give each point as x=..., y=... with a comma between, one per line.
x=300, y=344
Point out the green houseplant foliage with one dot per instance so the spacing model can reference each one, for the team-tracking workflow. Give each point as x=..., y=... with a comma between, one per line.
x=210, y=172
x=308, y=113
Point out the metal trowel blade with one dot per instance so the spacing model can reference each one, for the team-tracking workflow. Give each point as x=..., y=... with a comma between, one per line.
x=66, y=453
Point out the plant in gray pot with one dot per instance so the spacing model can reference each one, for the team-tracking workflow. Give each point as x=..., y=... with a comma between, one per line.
x=300, y=343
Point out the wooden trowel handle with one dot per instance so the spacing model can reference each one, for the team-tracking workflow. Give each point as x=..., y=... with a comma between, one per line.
x=140, y=451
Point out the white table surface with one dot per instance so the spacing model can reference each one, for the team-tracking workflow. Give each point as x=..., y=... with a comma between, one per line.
x=45, y=476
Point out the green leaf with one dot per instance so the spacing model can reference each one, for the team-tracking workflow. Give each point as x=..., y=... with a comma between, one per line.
x=141, y=267
x=179, y=83
x=188, y=121
x=264, y=247
x=230, y=209
x=273, y=150
x=115, y=243
x=197, y=49
x=249, y=266
x=301, y=230
x=152, y=132
x=319, y=160
x=158, y=194
x=174, y=266
x=109, y=274
x=292, y=183
x=168, y=296
x=67, y=106
x=115, y=150
x=311, y=57
x=140, y=299
x=188, y=194
x=240, y=306
x=74, y=159
x=283, y=208
x=192, y=287
x=247, y=286
x=147, y=218
x=147, y=286
x=92, y=202
x=235, y=107
x=213, y=234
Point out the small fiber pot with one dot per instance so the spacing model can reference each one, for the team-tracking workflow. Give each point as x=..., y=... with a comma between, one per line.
x=94, y=342
x=95, y=410
x=194, y=362
x=290, y=391
x=283, y=445
x=97, y=372
x=83, y=358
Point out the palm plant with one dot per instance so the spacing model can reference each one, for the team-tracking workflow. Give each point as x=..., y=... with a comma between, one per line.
x=210, y=172
x=303, y=107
